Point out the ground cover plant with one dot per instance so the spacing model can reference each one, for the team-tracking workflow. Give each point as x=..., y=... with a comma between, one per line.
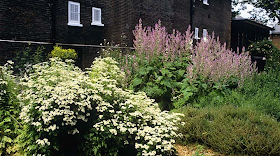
x=66, y=110
x=232, y=130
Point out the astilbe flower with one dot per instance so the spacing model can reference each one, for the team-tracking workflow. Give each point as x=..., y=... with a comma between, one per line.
x=213, y=62
x=153, y=42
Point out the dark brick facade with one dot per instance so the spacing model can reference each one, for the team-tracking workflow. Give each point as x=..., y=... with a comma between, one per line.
x=46, y=21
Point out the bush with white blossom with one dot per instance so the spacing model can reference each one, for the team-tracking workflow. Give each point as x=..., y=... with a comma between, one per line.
x=60, y=99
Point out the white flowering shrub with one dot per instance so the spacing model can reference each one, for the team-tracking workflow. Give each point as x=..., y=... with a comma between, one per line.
x=9, y=110
x=107, y=69
x=101, y=118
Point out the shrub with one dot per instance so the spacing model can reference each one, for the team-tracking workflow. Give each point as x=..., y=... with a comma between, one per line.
x=9, y=110
x=232, y=130
x=27, y=57
x=266, y=49
x=64, y=53
x=107, y=68
x=64, y=108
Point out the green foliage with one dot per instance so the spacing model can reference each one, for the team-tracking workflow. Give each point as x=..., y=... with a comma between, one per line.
x=64, y=108
x=199, y=151
x=64, y=53
x=160, y=79
x=27, y=57
x=9, y=110
x=263, y=92
x=201, y=94
x=266, y=49
x=232, y=130
x=107, y=68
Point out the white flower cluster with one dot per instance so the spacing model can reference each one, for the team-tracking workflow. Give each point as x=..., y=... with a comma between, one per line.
x=58, y=95
x=57, y=92
x=136, y=115
x=43, y=142
x=5, y=76
x=107, y=70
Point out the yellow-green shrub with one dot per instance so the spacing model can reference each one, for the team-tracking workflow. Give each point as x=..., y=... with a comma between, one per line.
x=64, y=53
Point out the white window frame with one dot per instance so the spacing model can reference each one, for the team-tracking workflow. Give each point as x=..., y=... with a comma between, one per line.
x=74, y=22
x=97, y=23
x=205, y=2
x=196, y=31
x=205, y=34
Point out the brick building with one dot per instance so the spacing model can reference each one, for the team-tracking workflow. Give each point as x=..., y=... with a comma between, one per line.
x=84, y=24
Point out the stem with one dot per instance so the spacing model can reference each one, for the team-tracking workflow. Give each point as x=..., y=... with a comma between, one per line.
x=2, y=74
x=15, y=120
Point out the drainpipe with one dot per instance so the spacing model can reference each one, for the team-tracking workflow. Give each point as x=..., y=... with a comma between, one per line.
x=53, y=23
x=191, y=13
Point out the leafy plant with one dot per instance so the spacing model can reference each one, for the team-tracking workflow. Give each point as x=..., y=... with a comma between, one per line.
x=232, y=130
x=64, y=53
x=199, y=151
x=159, y=80
x=9, y=111
x=266, y=49
x=27, y=57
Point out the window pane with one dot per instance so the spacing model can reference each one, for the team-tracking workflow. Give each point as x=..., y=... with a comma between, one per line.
x=97, y=15
x=76, y=8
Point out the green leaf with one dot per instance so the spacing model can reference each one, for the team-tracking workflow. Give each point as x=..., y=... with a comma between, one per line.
x=204, y=86
x=181, y=73
x=136, y=82
x=187, y=94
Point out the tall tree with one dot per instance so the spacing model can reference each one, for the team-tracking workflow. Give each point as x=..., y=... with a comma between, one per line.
x=269, y=7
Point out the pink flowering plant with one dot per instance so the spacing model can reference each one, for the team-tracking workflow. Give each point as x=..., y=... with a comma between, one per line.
x=213, y=68
x=158, y=62
x=170, y=68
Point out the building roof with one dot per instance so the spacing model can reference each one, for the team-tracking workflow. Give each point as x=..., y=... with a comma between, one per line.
x=252, y=22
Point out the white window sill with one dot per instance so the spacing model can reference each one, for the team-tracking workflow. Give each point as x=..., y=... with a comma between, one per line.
x=98, y=24
x=75, y=24
x=206, y=3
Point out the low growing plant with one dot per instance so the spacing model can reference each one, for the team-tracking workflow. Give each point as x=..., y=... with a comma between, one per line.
x=232, y=130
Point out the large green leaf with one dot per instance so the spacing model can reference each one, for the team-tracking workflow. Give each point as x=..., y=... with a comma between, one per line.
x=136, y=82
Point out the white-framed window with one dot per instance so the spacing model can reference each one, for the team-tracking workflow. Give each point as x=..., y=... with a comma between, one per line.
x=196, y=30
x=96, y=17
x=205, y=2
x=74, y=14
x=205, y=34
